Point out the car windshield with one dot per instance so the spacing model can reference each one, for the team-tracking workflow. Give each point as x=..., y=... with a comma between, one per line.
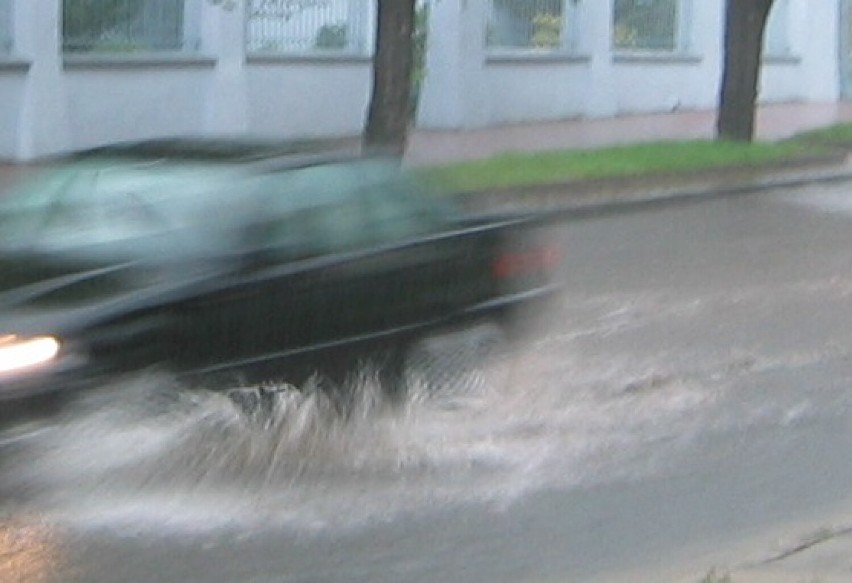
x=119, y=205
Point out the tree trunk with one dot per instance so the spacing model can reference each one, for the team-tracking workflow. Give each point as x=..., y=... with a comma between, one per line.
x=745, y=21
x=387, y=119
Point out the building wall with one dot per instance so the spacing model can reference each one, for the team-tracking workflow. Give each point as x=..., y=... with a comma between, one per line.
x=307, y=98
x=593, y=80
x=126, y=102
x=687, y=79
x=54, y=103
x=811, y=71
x=539, y=90
x=12, y=81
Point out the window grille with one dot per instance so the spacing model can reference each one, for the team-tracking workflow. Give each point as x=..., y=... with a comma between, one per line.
x=124, y=25
x=646, y=25
x=6, y=26
x=309, y=26
x=528, y=24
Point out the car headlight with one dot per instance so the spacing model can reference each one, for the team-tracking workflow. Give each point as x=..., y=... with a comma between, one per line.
x=18, y=353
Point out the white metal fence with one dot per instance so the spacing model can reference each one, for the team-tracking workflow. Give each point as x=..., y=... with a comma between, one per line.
x=646, y=25
x=6, y=26
x=124, y=25
x=310, y=26
x=527, y=24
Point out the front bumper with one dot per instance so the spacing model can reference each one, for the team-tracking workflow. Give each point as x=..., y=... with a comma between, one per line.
x=41, y=393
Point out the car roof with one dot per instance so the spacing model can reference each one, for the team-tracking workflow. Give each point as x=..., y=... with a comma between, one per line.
x=236, y=151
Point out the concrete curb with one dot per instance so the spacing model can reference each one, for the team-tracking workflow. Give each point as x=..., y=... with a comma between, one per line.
x=578, y=199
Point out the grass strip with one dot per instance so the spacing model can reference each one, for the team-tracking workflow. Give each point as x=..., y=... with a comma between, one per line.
x=522, y=169
x=836, y=135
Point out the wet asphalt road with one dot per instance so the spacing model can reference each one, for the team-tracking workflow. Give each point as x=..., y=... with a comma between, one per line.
x=689, y=388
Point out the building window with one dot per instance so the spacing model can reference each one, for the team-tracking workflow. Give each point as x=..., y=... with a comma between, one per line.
x=6, y=26
x=649, y=25
x=777, y=35
x=296, y=27
x=119, y=26
x=542, y=25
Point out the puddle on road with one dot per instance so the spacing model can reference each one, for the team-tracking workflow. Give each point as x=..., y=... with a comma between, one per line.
x=29, y=552
x=146, y=455
x=553, y=412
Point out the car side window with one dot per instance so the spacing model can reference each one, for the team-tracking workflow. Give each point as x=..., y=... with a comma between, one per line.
x=393, y=214
x=311, y=211
x=396, y=206
x=334, y=208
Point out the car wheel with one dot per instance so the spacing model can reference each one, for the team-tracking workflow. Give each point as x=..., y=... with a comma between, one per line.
x=460, y=362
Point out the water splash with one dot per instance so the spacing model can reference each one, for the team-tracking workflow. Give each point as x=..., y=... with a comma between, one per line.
x=569, y=406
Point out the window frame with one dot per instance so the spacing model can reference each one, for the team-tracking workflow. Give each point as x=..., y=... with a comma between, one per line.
x=360, y=45
x=7, y=27
x=681, y=35
x=188, y=40
x=568, y=41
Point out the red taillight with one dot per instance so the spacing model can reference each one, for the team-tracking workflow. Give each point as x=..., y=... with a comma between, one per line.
x=517, y=263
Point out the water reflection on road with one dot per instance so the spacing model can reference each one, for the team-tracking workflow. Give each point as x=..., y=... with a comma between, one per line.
x=30, y=552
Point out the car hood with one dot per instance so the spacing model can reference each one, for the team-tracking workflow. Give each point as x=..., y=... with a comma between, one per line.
x=41, y=281
x=46, y=294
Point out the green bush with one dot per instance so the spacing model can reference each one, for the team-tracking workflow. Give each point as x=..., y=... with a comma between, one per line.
x=624, y=36
x=332, y=36
x=547, y=31
x=86, y=22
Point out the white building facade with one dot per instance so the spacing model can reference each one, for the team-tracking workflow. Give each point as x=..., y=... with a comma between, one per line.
x=618, y=57
x=137, y=69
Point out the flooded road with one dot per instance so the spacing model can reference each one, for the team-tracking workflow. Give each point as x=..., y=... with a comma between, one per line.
x=690, y=383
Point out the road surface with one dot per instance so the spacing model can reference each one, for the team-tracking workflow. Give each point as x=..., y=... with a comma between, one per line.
x=687, y=391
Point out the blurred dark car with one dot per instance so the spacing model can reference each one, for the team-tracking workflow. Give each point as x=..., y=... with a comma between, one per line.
x=235, y=261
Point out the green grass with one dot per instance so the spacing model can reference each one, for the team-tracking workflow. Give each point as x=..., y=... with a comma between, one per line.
x=515, y=169
x=836, y=135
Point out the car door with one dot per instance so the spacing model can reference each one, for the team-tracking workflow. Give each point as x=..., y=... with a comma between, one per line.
x=273, y=307
x=337, y=258
x=414, y=271
x=369, y=261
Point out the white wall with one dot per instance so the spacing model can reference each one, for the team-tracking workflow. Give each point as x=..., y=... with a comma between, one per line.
x=53, y=104
x=307, y=98
x=811, y=73
x=687, y=79
x=595, y=81
x=534, y=90
x=12, y=80
x=125, y=102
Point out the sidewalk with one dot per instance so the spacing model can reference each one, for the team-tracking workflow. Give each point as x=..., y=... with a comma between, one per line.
x=774, y=122
x=428, y=147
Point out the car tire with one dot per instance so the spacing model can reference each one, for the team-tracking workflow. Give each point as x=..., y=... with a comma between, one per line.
x=457, y=362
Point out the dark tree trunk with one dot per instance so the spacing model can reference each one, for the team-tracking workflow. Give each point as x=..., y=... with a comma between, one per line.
x=388, y=116
x=745, y=21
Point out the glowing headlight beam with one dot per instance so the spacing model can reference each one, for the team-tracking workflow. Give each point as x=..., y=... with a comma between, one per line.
x=19, y=353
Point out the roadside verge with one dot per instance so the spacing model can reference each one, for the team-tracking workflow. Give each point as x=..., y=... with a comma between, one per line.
x=604, y=194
